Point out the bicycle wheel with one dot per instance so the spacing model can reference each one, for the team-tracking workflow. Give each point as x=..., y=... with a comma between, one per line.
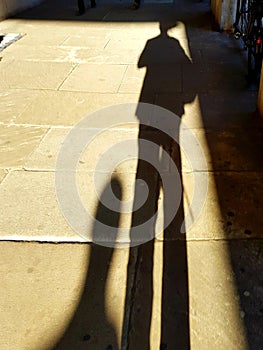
x=255, y=49
x=241, y=21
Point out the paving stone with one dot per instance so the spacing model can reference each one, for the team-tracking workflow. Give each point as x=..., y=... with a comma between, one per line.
x=24, y=25
x=13, y=103
x=227, y=191
x=46, y=155
x=229, y=150
x=45, y=53
x=210, y=294
x=31, y=197
x=133, y=80
x=95, y=78
x=52, y=38
x=246, y=260
x=3, y=174
x=12, y=26
x=159, y=79
x=41, y=219
x=121, y=43
x=216, y=288
x=227, y=211
x=97, y=40
x=59, y=300
x=34, y=75
x=17, y=143
x=66, y=108
x=5, y=64
x=106, y=56
x=215, y=272
x=234, y=203
x=140, y=30
x=213, y=110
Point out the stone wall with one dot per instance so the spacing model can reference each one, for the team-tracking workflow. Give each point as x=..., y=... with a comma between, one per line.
x=10, y=7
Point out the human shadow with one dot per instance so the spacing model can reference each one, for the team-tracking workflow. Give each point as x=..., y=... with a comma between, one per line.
x=90, y=327
x=165, y=62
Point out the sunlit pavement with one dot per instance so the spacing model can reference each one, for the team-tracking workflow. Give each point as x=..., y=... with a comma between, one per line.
x=201, y=290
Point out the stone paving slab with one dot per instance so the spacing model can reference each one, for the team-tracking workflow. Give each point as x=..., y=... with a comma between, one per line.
x=230, y=275
x=59, y=292
x=230, y=150
x=73, y=54
x=25, y=106
x=13, y=102
x=3, y=174
x=42, y=220
x=228, y=211
x=17, y=144
x=98, y=40
x=46, y=53
x=107, y=56
x=31, y=198
x=34, y=75
x=125, y=43
x=34, y=39
x=95, y=78
x=223, y=151
x=64, y=108
x=215, y=272
x=133, y=79
x=46, y=155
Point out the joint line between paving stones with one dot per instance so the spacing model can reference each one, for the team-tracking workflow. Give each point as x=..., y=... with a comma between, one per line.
x=18, y=238
x=107, y=43
x=5, y=175
x=41, y=139
x=32, y=89
x=62, y=42
x=122, y=79
x=71, y=71
x=11, y=169
x=12, y=123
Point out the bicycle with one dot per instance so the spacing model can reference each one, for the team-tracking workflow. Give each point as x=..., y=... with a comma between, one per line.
x=249, y=27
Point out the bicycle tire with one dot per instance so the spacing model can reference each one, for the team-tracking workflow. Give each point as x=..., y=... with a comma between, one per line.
x=255, y=49
x=241, y=21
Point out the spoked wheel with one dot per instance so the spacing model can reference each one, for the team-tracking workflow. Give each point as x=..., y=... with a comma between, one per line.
x=241, y=20
x=255, y=51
